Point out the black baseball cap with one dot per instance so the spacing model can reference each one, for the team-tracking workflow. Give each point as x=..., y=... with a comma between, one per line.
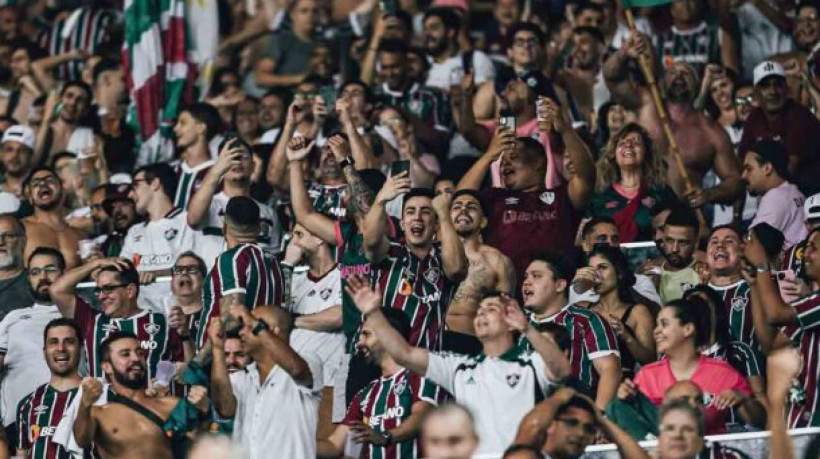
x=115, y=193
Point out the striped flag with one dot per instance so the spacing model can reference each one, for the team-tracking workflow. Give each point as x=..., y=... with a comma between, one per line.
x=159, y=71
x=203, y=22
x=84, y=28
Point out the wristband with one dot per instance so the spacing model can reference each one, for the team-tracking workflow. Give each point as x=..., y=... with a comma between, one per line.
x=347, y=161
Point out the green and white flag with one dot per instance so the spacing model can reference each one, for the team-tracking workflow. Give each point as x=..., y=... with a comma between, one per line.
x=160, y=72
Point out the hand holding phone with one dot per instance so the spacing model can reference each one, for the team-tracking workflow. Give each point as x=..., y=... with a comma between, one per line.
x=398, y=167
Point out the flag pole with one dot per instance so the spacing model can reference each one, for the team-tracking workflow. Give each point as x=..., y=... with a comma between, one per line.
x=674, y=148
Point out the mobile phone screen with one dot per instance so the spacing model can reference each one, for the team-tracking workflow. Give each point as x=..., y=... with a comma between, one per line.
x=398, y=167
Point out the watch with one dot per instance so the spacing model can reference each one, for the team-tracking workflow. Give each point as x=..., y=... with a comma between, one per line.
x=388, y=437
x=347, y=161
x=764, y=268
x=260, y=327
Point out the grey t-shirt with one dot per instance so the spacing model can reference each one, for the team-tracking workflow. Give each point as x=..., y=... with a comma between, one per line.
x=14, y=294
x=289, y=52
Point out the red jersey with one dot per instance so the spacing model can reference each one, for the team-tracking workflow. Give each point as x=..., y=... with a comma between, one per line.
x=711, y=375
x=521, y=222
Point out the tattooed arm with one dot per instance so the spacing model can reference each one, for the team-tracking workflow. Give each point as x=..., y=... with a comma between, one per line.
x=229, y=301
x=358, y=194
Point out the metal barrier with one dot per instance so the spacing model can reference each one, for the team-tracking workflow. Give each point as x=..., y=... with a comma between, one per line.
x=753, y=444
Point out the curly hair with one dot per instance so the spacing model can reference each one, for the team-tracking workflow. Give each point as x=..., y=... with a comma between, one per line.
x=653, y=169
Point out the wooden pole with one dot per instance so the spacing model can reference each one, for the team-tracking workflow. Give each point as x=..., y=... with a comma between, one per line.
x=674, y=149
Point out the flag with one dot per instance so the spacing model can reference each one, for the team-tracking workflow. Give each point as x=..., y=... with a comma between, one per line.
x=203, y=22
x=159, y=70
x=644, y=3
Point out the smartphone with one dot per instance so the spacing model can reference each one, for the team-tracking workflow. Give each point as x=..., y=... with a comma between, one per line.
x=389, y=7
x=506, y=120
x=786, y=275
x=328, y=94
x=398, y=167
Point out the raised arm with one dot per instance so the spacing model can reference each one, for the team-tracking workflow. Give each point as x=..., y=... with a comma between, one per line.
x=41, y=68
x=616, y=72
x=328, y=320
x=85, y=425
x=376, y=242
x=278, y=164
x=284, y=355
x=462, y=106
x=266, y=76
x=503, y=141
x=556, y=365
x=454, y=259
x=231, y=155
x=221, y=391
x=782, y=367
x=380, y=24
x=63, y=289
x=369, y=303
x=582, y=182
x=323, y=227
x=777, y=312
x=358, y=149
x=532, y=429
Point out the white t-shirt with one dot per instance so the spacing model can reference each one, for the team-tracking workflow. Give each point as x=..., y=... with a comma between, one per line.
x=440, y=73
x=498, y=391
x=155, y=246
x=310, y=296
x=270, y=236
x=759, y=38
x=277, y=418
x=21, y=342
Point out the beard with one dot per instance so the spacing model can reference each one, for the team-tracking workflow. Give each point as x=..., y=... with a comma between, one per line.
x=677, y=261
x=42, y=298
x=8, y=261
x=137, y=382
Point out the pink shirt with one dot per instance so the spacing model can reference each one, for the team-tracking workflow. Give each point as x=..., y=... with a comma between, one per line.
x=711, y=375
x=782, y=207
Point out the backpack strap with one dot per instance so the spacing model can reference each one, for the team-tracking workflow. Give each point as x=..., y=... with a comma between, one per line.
x=150, y=415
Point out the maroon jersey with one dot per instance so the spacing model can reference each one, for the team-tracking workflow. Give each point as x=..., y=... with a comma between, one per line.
x=805, y=335
x=520, y=223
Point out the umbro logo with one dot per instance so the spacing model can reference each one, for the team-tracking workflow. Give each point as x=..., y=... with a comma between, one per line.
x=470, y=380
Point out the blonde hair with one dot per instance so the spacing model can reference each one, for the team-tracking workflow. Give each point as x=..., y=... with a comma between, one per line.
x=653, y=168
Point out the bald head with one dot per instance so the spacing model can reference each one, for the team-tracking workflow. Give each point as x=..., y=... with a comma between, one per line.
x=448, y=431
x=686, y=390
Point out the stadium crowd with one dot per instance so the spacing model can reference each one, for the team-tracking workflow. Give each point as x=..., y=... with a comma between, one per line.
x=411, y=228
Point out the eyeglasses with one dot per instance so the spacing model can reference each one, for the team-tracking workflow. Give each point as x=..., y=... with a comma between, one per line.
x=45, y=181
x=51, y=269
x=180, y=270
x=107, y=289
x=589, y=429
x=11, y=237
x=525, y=42
x=744, y=100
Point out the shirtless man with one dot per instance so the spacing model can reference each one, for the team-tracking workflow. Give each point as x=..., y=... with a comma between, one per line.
x=116, y=429
x=703, y=143
x=47, y=227
x=489, y=270
x=64, y=132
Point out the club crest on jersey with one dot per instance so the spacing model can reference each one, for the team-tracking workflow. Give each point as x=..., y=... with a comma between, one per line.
x=171, y=233
x=398, y=389
x=547, y=197
x=432, y=275
x=111, y=327
x=512, y=379
x=511, y=201
x=414, y=106
x=325, y=293
x=151, y=329
x=739, y=303
x=686, y=286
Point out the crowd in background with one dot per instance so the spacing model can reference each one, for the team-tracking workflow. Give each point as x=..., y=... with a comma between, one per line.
x=409, y=228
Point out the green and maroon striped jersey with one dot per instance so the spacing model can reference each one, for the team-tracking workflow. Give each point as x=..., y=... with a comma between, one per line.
x=155, y=336
x=738, y=303
x=189, y=179
x=352, y=262
x=805, y=335
x=384, y=403
x=245, y=269
x=743, y=359
x=37, y=417
x=792, y=258
x=420, y=289
x=328, y=200
x=590, y=337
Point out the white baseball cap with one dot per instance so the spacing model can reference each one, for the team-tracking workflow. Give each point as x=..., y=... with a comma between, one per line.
x=19, y=133
x=811, y=208
x=766, y=69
